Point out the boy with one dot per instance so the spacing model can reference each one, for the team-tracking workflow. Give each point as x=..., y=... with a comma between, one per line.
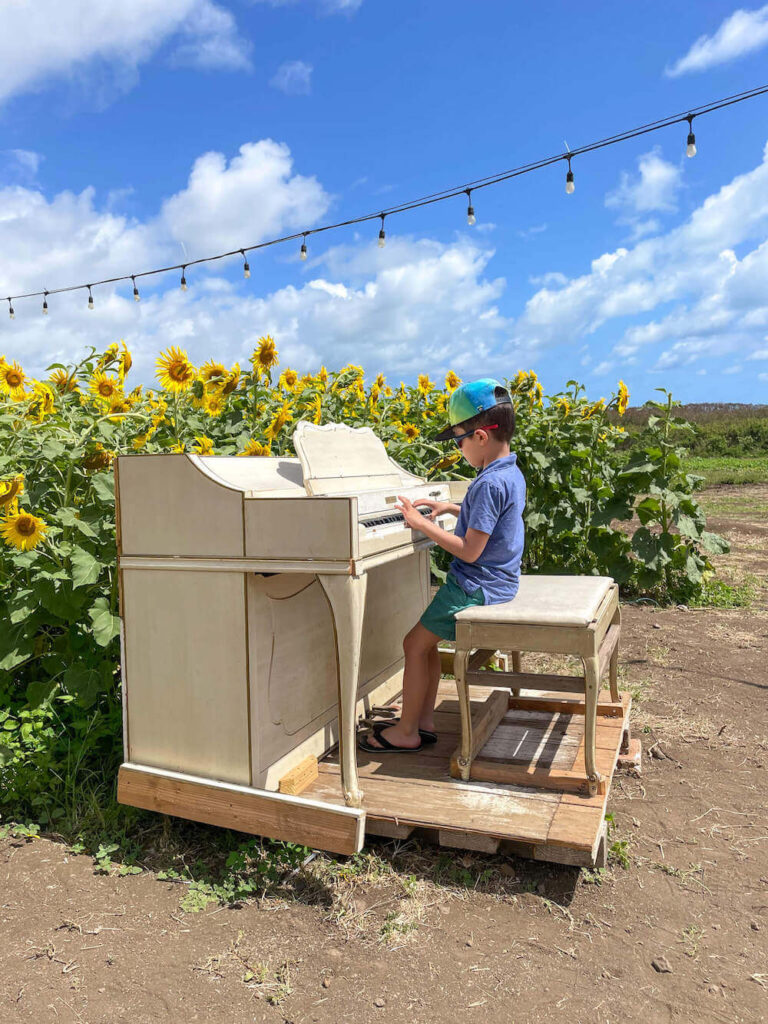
x=487, y=546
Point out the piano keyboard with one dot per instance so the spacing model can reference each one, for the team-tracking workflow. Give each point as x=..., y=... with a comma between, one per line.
x=389, y=519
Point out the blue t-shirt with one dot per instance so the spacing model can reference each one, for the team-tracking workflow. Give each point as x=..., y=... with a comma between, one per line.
x=494, y=504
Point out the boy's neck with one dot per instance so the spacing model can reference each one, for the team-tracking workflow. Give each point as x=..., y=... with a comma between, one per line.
x=500, y=451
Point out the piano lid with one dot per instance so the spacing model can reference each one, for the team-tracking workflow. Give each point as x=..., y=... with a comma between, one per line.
x=338, y=459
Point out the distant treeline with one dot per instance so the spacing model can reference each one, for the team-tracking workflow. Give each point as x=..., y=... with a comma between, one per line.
x=721, y=428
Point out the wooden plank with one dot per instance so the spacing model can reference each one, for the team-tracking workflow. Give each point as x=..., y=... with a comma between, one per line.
x=531, y=681
x=483, y=725
x=467, y=841
x=607, y=648
x=604, y=707
x=298, y=778
x=530, y=775
x=464, y=806
x=324, y=826
x=525, y=637
x=387, y=828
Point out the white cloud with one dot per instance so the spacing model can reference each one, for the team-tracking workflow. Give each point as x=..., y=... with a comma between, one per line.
x=293, y=77
x=736, y=368
x=655, y=189
x=324, y=6
x=741, y=33
x=19, y=164
x=714, y=302
x=47, y=40
x=761, y=353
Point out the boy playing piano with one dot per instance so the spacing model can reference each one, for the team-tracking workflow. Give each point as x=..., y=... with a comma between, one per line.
x=487, y=546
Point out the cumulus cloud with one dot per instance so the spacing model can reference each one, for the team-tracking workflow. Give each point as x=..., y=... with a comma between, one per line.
x=655, y=188
x=47, y=40
x=293, y=77
x=741, y=33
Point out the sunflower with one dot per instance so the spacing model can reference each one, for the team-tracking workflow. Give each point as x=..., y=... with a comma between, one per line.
x=63, y=382
x=109, y=356
x=203, y=445
x=213, y=403
x=623, y=398
x=174, y=370
x=104, y=387
x=10, y=492
x=322, y=376
x=265, y=356
x=232, y=380
x=22, y=530
x=425, y=385
x=317, y=409
x=178, y=448
x=98, y=458
x=12, y=379
x=256, y=448
x=126, y=361
x=42, y=402
x=117, y=406
x=380, y=381
x=446, y=462
x=288, y=379
x=452, y=381
x=441, y=403
x=141, y=439
x=281, y=417
x=410, y=430
x=212, y=370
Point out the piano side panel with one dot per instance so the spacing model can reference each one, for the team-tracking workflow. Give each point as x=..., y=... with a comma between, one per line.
x=186, y=672
x=301, y=528
x=168, y=507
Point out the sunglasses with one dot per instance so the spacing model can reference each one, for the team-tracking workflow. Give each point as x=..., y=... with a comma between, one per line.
x=458, y=438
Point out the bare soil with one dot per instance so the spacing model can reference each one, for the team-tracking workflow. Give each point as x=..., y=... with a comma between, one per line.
x=410, y=933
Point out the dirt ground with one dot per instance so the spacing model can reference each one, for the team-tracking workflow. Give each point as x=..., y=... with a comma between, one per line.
x=411, y=933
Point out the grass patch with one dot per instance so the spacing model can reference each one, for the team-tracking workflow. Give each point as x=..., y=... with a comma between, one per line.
x=727, y=469
x=716, y=593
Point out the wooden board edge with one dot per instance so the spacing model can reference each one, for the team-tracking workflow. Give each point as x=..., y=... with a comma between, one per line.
x=294, y=819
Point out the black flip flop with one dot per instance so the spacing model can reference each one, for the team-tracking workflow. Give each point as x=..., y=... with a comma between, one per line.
x=386, y=747
x=427, y=736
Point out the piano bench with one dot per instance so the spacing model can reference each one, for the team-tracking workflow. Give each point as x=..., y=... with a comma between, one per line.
x=571, y=615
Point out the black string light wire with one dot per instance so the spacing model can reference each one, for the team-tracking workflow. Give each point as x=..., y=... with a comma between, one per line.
x=436, y=197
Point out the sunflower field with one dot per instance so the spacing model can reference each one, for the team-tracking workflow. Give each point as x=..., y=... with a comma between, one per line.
x=60, y=718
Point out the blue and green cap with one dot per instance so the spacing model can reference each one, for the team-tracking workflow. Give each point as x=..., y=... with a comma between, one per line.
x=470, y=399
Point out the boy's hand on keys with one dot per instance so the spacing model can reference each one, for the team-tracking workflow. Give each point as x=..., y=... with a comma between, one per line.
x=411, y=514
x=439, y=508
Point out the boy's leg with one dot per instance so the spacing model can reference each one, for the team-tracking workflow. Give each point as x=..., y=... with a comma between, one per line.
x=427, y=716
x=418, y=684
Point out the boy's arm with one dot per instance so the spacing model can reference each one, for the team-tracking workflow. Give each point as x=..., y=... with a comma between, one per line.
x=468, y=548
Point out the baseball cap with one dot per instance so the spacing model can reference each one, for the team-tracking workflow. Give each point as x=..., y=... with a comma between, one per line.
x=470, y=399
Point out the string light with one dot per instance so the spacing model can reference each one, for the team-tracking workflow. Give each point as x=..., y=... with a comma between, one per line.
x=136, y=296
x=471, y=219
x=570, y=188
x=437, y=197
x=690, y=148
x=246, y=268
x=11, y=313
x=303, y=250
x=45, y=304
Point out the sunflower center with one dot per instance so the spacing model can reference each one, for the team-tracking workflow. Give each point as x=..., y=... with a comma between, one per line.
x=13, y=379
x=25, y=525
x=179, y=372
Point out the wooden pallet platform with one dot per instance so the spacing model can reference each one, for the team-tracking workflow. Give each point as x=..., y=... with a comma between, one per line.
x=403, y=792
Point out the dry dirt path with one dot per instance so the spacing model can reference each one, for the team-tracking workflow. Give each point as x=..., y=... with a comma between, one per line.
x=411, y=934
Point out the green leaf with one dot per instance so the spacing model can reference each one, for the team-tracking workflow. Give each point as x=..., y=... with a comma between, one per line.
x=714, y=543
x=106, y=626
x=688, y=527
x=23, y=605
x=82, y=683
x=85, y=568
x=39, y=691
x=104, y=486
x=68, y=517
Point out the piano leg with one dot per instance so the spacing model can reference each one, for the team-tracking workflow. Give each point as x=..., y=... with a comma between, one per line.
x=346, y=595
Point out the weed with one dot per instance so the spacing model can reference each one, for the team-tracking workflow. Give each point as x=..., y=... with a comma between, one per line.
x=691, y=938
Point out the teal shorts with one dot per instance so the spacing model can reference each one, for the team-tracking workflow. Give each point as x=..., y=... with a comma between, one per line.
x=450, y=598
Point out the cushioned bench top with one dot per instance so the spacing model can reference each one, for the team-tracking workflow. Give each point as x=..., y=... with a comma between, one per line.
x=546, y=601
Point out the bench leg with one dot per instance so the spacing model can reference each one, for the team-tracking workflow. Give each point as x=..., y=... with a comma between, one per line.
x=592, y=688
x=613, y=667
x=460, y=662
x=517, y=666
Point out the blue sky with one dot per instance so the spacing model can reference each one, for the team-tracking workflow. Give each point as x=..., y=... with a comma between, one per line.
x=145, y=132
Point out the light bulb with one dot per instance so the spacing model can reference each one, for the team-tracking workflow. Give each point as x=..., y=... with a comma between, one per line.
x=246, y=270
x=183, y=282
x=136, y=296
x=90, y=298
x=382, y=233
x=45, y=305
x=303, y=251
x=11, y=313
x=471, y=218
x=570, y=188
x=690, y=149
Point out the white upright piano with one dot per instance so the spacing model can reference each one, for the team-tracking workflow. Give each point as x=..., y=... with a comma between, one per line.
x=264, y=602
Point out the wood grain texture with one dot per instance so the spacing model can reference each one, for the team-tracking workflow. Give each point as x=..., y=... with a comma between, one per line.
x=275, y=815
x=483, y=724
x=298, y=778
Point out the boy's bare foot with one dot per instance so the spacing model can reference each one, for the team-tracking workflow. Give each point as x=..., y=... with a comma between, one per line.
x=397, y=736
